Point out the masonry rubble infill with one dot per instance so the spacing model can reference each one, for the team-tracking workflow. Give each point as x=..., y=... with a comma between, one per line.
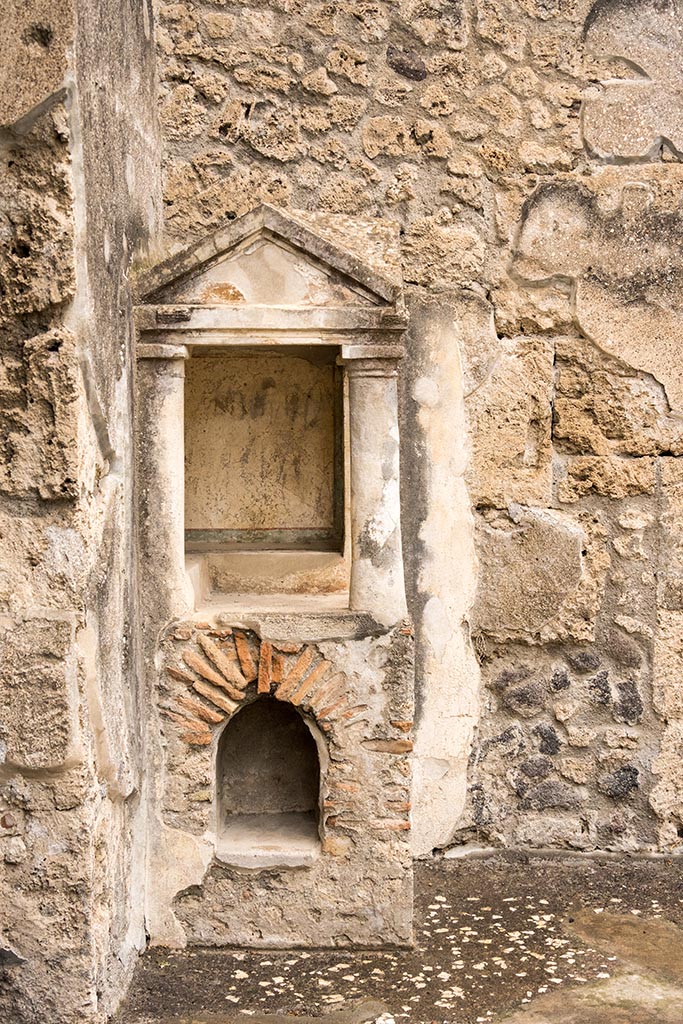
x=340, y=661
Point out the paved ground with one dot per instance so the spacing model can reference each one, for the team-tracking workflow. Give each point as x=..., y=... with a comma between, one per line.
x=497, y=940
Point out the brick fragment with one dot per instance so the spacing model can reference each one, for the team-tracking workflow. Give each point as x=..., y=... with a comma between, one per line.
x=203, y=669
x=196, y=739
x=295, y=674
x=389, y=746
x=215, y=696
x=249, y=669
x=328, y=712
x=226, y=665
x=177, y=673
x=278, y=667
x=195, y=732
x=286, y=647
x=201, y=710
x=310, y=681
x=265, y=666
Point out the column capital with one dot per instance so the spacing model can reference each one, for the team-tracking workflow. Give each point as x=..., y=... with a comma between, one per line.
x=371, y=360
x=159, y=351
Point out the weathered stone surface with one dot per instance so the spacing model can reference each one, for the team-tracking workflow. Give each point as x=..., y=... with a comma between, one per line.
x=509, y=414
x=39, y=453
x=444, y=118
x=604, y=407
x=608, y=477
x=537, y=577
x=630, y=118
x=39, y=696
x=34, y=40
x=666, y=798
x=36, y=244
x=616, y=239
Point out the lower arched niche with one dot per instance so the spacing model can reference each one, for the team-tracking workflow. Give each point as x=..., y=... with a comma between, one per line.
x=268, y=787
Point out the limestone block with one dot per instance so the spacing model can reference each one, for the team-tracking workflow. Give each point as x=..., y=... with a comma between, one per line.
x=618, y=242
x=671, y=527
x=541, y=576
x=36, y=223
x=39, y=694
x=510, y=425
x=609, y=477
x=668, y=664
x=35, y=40
x=666, y=798
x=630, y=117
x=40, y=453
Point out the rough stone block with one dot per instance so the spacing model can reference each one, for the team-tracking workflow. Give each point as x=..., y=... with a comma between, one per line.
x=37, y=239
x=668, y=664
x=540, y=577
x=603, y=407
x=509, y=416
x=39, y=695
x=35, y=42
x=608, y=477
x=41, y=451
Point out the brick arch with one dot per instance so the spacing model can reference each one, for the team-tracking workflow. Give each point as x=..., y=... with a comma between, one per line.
x=225, y=669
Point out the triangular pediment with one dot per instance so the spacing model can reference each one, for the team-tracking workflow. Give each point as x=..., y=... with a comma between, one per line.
x=271, y=257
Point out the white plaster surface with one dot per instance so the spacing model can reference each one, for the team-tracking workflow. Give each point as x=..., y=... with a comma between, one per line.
x=449, y=680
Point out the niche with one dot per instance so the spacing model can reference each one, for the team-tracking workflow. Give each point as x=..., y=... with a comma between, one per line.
x=267, y=787
x=264, y=471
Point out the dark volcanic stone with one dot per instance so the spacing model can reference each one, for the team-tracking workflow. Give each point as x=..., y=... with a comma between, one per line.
x=629, y=707
x=480, y=809
x=537, y=767
x=521, y=785
x=551, y=794
x=509, y=676
x=406, y=63
x=599, y=688
x=510, y=737
x=549, y=740
x=560, y=680
x=526, y=699
x=620, y=783
x=584, y=661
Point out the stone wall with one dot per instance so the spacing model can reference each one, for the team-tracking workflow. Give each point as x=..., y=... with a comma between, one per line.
x=78, y=198
x=535, y=177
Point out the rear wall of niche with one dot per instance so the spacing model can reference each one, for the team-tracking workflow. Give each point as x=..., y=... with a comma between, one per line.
x=269, y=760
x=264, y=470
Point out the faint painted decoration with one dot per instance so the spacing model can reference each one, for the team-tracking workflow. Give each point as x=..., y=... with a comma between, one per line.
x=633, y=116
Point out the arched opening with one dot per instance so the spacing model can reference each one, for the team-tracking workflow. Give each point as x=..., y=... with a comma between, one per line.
x=267, y=787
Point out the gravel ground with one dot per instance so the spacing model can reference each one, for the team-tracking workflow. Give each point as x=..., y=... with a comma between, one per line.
x=492, y=935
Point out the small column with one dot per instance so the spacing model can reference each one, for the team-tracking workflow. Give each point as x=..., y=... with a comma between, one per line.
x=160, y=416
x=377, y=583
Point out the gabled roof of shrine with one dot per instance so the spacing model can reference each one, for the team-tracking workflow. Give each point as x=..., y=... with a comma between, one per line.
x=360, y=254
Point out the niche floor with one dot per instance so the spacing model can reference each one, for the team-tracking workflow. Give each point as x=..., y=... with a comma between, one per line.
x=498, y=941
x=269, y=840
